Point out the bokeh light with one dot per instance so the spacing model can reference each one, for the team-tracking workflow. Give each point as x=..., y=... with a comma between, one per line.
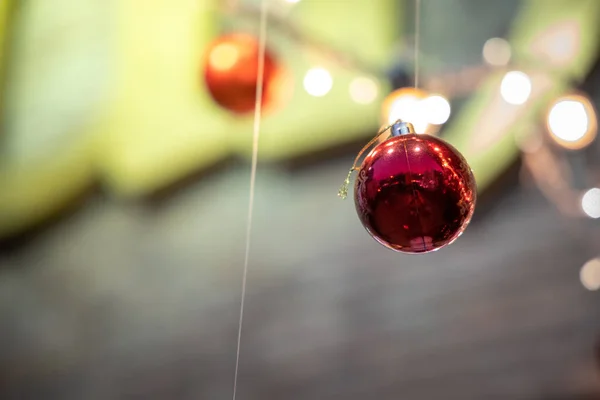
x=224, y=56
x=437, y=108
x=496, y=52
x=409, y=109
x=363, y=90
x=406, y=104
x=572, y=122
x=590, y=203
x=515, y=87
x=318, y=82
x=417, y=107
x=559, y=44
x=590, y=274
x=141, y=184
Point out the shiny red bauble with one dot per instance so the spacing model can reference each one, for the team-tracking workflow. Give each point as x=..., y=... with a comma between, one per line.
x=231, y=73
x=415, y=193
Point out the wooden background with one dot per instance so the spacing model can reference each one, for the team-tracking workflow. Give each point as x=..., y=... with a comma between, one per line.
x=141, y=301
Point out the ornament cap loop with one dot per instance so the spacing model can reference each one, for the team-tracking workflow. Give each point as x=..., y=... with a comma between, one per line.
x=402, y=128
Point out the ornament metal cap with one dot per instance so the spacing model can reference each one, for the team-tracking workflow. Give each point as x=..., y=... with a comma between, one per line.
x=402, y=128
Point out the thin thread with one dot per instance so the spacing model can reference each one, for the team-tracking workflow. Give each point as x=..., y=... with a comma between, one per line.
x=343, y=191
x=417, y=44
x=256, y=131
x=417, y=39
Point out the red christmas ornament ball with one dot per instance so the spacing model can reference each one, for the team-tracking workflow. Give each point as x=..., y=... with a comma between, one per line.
x=415, y=193
x=231, y=73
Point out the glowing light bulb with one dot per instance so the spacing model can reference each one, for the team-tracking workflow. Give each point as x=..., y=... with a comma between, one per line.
x=404, y=108
x=363, y=90
x=590, y=274
x=515, y=87
x=568, y=120
x=437, y=109
x=572, y=122
x=590, y=203
x=409, y=108
x=406, y=104
x=318, y=82
x=496, y=52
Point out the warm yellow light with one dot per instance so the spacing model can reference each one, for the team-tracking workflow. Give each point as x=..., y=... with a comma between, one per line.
x=363, y=90
x=417, y=108
x=318, y=82
x=568, y=120
x=590, y=274
x=408, y=108
x=590, y=203
x=404, y=108
x=224, y=56
x=515, y=87
x=413, y=105
x=496, y=52
x=292, y=1
x=572, y=122
x=437, y=109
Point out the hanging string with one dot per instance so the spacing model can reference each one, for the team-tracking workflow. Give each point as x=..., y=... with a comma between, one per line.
x=343, y=192
x=255, y=136
x=417, y=39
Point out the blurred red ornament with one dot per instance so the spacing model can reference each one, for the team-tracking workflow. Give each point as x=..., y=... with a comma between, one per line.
x=231, y=73
x=414, y=193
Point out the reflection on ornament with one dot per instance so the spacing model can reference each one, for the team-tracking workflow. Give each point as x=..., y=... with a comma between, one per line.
x=231, y=72
x=417, y=107
x=572, y=122
x=414, y=193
